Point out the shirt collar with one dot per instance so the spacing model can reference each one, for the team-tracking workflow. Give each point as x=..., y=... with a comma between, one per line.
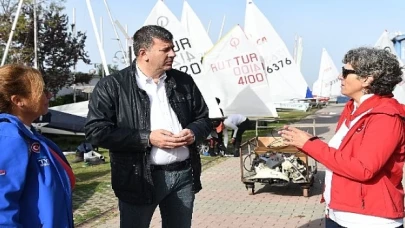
x=147, y=80
x=362, y=99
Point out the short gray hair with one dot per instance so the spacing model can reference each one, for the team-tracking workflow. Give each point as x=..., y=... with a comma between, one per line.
x=143, y=38
x=378, y=63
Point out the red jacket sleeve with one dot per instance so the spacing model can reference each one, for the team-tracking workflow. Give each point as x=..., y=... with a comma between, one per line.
x=382, y=135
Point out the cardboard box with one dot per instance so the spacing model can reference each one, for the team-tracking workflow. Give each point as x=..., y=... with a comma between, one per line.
x=276, y=144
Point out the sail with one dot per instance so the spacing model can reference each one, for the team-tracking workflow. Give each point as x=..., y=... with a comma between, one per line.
x=316, y=88
x=195, y=29
x=186, y=59
x=309, y=93
x=285, y=79
x=237, y=76
x=328, y=79
x=384, y=42
x=298, y=48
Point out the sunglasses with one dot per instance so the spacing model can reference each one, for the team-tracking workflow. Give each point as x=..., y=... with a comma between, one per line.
x=346, y=72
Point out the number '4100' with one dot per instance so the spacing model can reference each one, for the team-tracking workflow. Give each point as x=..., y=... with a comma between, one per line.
x=250, y=79
x=277, y=66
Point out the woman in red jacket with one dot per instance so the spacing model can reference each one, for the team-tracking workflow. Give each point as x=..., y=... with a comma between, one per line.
x=365, y=157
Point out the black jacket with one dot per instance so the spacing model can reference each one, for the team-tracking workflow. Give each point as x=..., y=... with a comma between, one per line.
x=119, y=120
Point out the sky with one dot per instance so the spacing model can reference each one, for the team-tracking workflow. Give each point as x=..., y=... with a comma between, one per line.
x=337, y=25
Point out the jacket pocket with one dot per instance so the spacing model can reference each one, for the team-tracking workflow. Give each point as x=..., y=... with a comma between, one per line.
x=127, y=175
x=346, y=193
x=393, y=198
x=183, y=104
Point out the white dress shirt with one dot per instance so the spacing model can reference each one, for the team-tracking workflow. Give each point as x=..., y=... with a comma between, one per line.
x=162, y=116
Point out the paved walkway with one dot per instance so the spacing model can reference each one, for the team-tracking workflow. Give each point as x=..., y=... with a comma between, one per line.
x=224, y=201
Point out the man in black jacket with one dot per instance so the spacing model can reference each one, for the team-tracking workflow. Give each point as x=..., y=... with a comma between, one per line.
x=150, y=116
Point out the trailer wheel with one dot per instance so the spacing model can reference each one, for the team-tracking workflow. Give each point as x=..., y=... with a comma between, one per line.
x=251, y=191
x=305, y=192
x=251, y=188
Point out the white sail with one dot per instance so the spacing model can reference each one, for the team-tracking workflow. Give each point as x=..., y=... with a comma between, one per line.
x=328, y=79
x=186, y=59
x=298, y=48
x=285, y=79
x=384, y=42
x=316, y=88
x=238, y=77
x=195, y=29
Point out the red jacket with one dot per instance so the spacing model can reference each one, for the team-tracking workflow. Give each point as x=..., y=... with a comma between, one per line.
x=367, y=167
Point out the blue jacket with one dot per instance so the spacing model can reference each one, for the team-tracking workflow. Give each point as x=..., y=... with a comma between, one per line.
x=35, y=189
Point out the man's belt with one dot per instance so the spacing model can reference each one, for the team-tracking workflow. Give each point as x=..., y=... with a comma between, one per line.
x=176, y=166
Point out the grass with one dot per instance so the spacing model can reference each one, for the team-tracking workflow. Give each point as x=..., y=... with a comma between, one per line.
x=93, y=196
x=285, y=118
x=291, y=117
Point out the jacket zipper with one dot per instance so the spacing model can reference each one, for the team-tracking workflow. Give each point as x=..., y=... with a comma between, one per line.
x=362, y=196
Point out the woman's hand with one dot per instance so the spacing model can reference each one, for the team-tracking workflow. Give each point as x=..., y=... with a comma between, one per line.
x=295, y=137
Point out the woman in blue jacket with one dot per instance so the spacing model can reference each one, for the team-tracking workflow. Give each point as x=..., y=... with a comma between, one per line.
x=36, y=180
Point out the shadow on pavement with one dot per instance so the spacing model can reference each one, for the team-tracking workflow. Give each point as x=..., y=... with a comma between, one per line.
x=314, y=224
x=293, y=189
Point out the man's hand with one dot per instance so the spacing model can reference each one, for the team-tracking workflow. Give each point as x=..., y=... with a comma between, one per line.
x=166, y=140
x=186, y=135
x=232, y=140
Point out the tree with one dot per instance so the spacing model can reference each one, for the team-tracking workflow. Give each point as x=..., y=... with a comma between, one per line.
x=7, y=14
x=99, y=69
x=58, y=49
x=82, y=78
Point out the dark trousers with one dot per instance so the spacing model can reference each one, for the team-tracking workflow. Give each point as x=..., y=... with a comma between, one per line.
x=329, y=223
x=242, y=127
x=175, y=197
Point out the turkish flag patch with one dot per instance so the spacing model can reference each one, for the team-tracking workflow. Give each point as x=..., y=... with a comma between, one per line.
x=35, y=147
x=2, y=172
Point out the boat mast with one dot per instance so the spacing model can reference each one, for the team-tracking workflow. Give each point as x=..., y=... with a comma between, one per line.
x=10, y=37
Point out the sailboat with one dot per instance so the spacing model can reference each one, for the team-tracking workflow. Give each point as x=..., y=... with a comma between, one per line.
x=239, y=81
x=195, y=29
x=187, y=58
x=297, y=55
x=328, y=83
x=285, y=79
x=60, y=123
x=384, y=42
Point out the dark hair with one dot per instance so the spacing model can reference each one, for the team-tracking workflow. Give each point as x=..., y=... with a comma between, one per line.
x=143, y=38
x=377, y=63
